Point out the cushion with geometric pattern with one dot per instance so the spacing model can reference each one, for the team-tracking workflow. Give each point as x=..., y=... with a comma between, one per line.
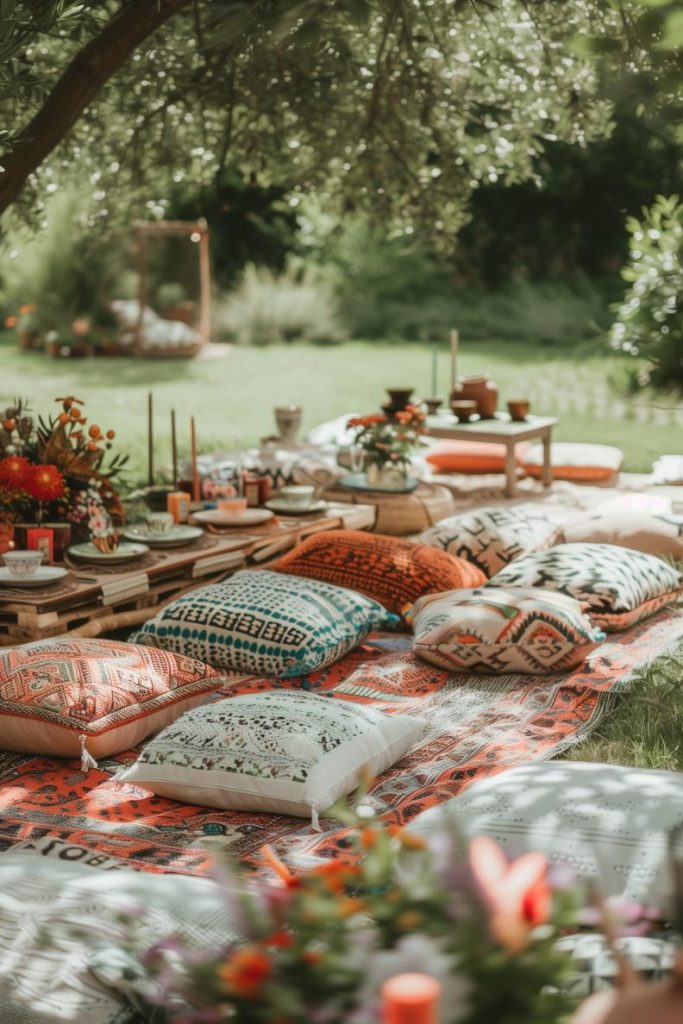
x=618, y=587
x=282, y=751
x=266, y=623
x=492, y=537
x=390, y=570
x=65, y=696
x=502, y=629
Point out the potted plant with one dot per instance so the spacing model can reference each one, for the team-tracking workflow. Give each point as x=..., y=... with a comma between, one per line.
x=387, y=445
x=26, y=325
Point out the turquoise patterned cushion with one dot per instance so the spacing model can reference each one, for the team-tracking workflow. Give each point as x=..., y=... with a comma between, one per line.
x=266, y=623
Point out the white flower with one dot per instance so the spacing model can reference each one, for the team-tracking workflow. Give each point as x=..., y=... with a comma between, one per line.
x=419, y=954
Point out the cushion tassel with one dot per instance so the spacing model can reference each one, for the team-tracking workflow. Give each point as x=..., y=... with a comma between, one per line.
x=87, y=760
x=315, y=821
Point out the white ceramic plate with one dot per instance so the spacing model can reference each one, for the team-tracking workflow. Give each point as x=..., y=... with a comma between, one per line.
x=42, y=577
x=285, y=508
x=250, y=517
x=180, y=534
x=124, y=553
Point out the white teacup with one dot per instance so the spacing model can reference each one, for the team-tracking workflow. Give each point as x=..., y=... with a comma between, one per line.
x=22, y=563
x=159, y=522
x=297, y=495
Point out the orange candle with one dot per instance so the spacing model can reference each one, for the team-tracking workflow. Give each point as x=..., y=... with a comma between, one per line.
x=410, y=999
x=196, y=489
x=273, y=861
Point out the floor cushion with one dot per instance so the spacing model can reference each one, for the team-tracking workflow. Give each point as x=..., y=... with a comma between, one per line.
x=287, y=752
x=660, y=535
x=266, y=623
x=492, y=537
x=497, y=630
x=62, y=695
x=583, y=463
x=618, y=587
x=472, y=456
x=609, y=823
x=390, y=570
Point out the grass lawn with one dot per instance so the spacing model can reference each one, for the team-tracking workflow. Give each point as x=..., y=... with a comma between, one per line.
x=233, y=397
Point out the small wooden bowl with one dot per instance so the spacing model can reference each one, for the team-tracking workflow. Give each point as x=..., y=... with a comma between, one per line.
x=519, y=410
x=464, y=409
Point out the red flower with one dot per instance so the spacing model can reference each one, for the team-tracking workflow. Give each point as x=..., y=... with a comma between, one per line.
x=45, y=483
x=244, y=973
x=15, y=472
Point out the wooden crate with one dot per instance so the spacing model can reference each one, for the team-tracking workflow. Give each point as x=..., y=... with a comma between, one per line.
x=91, y=602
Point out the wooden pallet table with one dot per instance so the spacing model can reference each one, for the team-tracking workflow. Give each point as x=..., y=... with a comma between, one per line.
x=91, y=601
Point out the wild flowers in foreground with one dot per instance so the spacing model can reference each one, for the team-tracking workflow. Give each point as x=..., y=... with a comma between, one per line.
x=318, y=945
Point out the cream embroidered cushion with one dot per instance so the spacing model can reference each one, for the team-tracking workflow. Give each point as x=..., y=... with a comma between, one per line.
x=63, y=695
x=617, y=587
x=492, y=537
x=282, y=751
x=660, y=535
x=496, y=630
x=607, y=822
x=266, y=623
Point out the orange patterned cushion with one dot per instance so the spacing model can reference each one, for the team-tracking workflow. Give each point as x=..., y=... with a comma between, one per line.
x=472, y=457
x=112, y=694
x=392, y=571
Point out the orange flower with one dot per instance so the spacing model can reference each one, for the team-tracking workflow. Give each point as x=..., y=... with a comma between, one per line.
x=312, y=956
x=349, y=906
x=111, y=434
x=45, y=483
x=10, y=321
x=9, y=425
x=15, y=471
x=517, y=893
x=407, y=839
x=94, y=431
x=367, y=421
x=280, y=939
x=368, y=838
x=244, y=973
x=28, y=307
x=81, y=326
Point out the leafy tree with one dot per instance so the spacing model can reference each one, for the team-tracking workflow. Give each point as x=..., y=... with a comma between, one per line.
x=399, y=107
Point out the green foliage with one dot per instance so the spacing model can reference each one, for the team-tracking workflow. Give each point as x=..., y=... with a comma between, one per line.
x=266, y=308
x=650, y=319
x=66, y=271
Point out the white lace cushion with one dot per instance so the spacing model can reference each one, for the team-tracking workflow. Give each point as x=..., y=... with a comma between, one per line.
x=607, y=822
x=492, y=537
x=502, y=629
x=286, y=752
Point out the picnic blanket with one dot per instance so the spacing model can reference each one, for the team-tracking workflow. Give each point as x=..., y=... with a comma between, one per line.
x=476, y=725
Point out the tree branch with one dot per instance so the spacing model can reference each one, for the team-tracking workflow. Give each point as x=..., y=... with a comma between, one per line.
x=79, y=84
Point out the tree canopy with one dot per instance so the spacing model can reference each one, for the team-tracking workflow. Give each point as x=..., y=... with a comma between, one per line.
x=399, y=107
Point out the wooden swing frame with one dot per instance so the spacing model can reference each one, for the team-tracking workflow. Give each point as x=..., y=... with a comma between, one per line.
x=173, y=229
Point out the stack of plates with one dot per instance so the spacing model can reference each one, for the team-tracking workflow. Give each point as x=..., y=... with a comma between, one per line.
x=176, y=537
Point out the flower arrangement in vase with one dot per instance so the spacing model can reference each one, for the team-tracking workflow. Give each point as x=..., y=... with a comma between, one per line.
x=387, y=445
x=54, y=469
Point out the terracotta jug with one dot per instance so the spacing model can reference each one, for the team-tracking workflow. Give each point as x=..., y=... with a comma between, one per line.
x=480, y=389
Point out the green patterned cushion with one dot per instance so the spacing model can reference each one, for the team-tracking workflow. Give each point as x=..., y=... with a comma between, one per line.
x=266, y=623
x=283, y=751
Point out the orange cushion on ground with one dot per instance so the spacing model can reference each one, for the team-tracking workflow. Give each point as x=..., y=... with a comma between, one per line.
x=472, y=456
x=392, y=571
x=583, y=463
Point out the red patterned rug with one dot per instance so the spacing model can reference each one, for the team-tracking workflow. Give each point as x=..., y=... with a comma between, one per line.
x=477, y=725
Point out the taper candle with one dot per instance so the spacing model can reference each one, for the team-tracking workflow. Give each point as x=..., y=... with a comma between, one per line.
x=410, y=999
x=174, y=451
x=454, y=359
x=196, y=489
x=435, y=352
x=150, y=440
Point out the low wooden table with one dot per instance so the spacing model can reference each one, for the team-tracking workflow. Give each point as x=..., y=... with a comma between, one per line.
x=402, y=514
x=500, y=430
x=91, y=601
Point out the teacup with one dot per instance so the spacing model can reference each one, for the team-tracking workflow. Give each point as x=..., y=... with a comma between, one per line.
x=232, y=505
x=464, y=409
x=22, y=563
x=518, y=409
x=159, y=522
x=298, y=496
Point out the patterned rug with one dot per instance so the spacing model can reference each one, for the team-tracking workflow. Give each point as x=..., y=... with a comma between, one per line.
x=476, y=726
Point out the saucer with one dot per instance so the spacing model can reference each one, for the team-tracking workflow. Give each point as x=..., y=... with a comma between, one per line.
x=285, y=508
x=124, y=553
x=250, y=517
x=42, y=577
x=180, y=534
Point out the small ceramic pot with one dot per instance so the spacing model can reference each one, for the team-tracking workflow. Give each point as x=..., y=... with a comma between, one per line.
x=519, y=410
x=464, y=409
x=400, y=397
x=298, y=496
x=433, y=405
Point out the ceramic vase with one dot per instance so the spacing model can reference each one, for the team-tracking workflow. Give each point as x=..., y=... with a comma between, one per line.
x=480, y=389
x=385, y=475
